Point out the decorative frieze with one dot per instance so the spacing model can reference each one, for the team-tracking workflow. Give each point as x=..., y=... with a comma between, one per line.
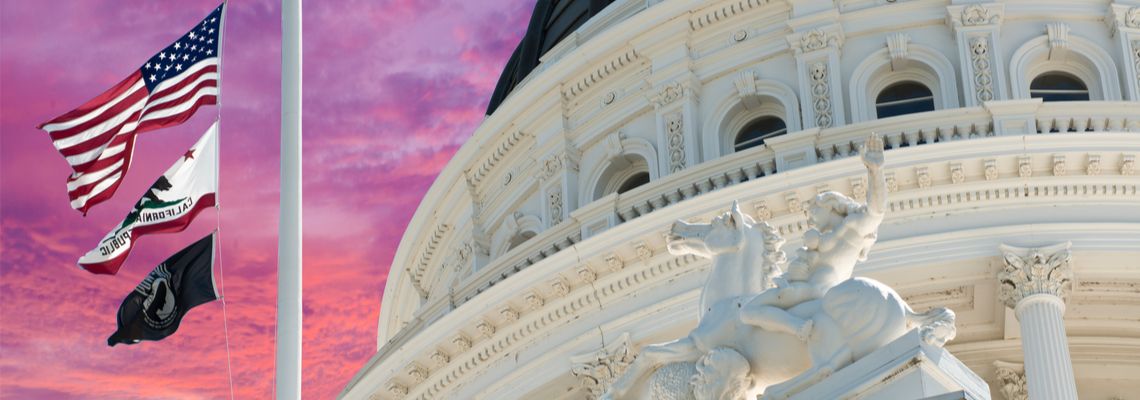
x=597, y=370
x=1135, y=47
x=817, y=39
x=763, y=213
x=668, y=94
x=675, y=138
x=418, y=271
x=559, y=287
x=1024, y=166
x=1093, y=167
x=461, y=342
x=711, y=15
x=554, y=204
x=892, y=182
x=586, y=274
x=1058, y=165
x=1010, y=379
x=417, y=372
x=820, y=94
x=643, y=251
x=977, y=15
x=603, y=71
x=485, y=328
x=980, y=60
x=499, y=153
x=614, y=262
x=957, y=174
x=509, y=314
x=794, y=205
x=397, y=390
x=858, y=188
x=1029, y=271
x=534, y=300
x=1132, y=17
x=923, y=174
x=440, y=358
x=991, y=169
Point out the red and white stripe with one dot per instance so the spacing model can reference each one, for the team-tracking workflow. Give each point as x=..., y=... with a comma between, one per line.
x=97, y=139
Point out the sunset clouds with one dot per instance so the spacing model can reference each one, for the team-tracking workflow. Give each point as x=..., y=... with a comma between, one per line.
x=391, y=90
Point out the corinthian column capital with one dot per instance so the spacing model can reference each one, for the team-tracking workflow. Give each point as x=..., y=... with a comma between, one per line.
x=1030, y=271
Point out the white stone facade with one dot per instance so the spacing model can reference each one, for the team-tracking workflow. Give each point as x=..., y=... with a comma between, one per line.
x=522, y=261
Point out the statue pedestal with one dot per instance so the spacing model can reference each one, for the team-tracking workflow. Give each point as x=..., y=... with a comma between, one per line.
x=906, y=368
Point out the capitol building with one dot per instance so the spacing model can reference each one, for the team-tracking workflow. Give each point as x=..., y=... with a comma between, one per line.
x=544, y=262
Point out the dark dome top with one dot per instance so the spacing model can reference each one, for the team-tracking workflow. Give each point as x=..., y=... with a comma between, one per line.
x=551, y=22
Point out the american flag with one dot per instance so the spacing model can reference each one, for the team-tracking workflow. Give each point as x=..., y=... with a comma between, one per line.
x=98, y=138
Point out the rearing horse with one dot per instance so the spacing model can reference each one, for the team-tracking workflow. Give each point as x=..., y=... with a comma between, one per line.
x=738, y=268
x=852, y=319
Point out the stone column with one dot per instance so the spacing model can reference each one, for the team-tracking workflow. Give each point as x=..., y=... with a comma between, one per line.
x=1035, y=283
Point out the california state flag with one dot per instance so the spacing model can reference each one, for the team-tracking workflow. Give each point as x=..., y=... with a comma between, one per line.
x=187, y=188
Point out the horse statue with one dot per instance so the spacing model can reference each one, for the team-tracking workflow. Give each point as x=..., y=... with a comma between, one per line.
x=764, y=330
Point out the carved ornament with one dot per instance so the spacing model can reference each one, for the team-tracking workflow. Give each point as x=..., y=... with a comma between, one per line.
x=1010, y=379
x=596, y=371
x=1030, y=271
x=820, y=94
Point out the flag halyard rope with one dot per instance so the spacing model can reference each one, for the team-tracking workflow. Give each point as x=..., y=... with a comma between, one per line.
x=218, y=200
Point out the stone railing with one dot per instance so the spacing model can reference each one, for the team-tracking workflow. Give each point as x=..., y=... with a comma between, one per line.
x=828, y=144
x=1085, y=116
x=700, y=179
x=906, y=131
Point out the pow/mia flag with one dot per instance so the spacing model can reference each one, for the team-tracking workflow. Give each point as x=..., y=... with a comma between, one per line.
x=187, y=188
x=155, y=308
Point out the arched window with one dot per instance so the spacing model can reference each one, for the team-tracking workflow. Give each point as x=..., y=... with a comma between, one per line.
x=624, y=173
x=757, y=131
x=906, y=97
x=633, y=182
x=1058, y=86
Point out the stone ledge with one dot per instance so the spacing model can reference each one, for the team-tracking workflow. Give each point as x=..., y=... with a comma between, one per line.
x=907, y=368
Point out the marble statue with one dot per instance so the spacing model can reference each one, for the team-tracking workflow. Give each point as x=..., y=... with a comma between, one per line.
x=762, y=329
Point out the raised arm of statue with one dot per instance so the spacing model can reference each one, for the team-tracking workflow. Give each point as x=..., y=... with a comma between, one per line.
x=876, y=181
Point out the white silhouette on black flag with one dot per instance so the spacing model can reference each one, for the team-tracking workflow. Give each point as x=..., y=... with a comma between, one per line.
x=155, y=308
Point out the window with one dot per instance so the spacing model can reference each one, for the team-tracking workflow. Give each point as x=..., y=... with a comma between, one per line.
x=907, y=97
x=757, y=131
x=1058, y=86
x=633, y=182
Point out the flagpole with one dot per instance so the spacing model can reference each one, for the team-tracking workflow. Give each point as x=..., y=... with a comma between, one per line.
x=289, y=229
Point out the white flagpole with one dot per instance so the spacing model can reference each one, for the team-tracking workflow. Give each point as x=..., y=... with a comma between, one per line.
x=289, y=229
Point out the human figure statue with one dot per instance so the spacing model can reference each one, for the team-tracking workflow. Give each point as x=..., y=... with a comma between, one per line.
x=842, y=232
x=753, y=337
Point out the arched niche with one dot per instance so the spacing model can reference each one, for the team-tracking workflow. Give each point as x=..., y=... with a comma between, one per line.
x=919, y=64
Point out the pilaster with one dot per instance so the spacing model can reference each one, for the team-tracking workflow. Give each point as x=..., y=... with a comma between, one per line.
x=976, y=27
x=678, y=128
x=819, y=73
x=1124, y=23
x=558, y=180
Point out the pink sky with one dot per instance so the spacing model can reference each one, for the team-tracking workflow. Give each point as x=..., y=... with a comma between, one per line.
x=392, y=88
